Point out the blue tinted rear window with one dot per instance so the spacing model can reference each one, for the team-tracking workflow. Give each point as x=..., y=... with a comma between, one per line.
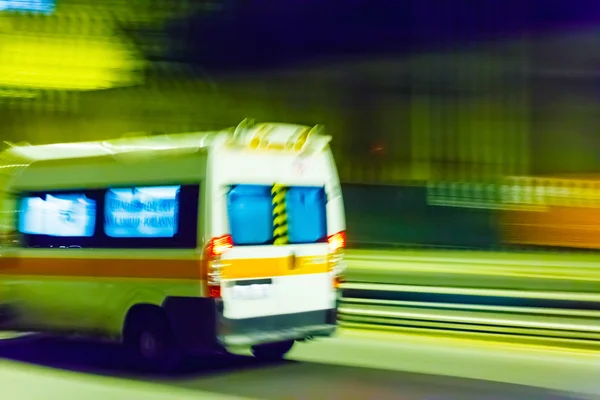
x=306, y=210
x=250, y=210
x=250, y=214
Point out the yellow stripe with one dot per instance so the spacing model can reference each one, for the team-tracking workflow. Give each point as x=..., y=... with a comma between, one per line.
x=273, y=267
x=180, y=269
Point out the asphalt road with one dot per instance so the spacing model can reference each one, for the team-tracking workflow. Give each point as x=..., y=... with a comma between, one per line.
x=354, y=365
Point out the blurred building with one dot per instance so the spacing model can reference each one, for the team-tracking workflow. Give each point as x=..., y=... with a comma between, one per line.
x=517, y=106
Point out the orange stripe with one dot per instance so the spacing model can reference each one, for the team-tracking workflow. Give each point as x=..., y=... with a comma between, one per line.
x=102, y=268
x=157, y=269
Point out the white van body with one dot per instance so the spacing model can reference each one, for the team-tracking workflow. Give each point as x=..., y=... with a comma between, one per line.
x=109, y=276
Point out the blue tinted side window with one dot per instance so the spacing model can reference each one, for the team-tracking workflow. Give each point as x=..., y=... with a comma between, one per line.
x=250, y=213
x=307, y=218
x=142, y=212
x=58, y=215
x=156, y=217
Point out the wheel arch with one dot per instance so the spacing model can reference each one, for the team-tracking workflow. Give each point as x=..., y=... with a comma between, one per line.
x=138, y=311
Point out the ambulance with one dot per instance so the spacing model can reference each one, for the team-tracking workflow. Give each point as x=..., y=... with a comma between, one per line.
x=175, y=244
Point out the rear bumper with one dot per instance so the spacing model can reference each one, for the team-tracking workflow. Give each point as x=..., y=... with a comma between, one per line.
x=199, y=324
x=276, y=328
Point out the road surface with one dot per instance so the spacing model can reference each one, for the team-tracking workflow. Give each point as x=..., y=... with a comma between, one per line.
x=354, y=365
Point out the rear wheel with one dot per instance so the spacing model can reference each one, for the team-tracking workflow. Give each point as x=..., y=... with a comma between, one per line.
x=272, y=351
x=150, y=341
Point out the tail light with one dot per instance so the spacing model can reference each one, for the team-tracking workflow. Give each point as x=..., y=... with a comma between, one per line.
x=217, y=246
x=213, y=265
x=337, y=244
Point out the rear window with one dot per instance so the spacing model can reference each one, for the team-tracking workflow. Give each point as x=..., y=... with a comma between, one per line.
x=307, y=220
x=250, y=210
x=250, y=214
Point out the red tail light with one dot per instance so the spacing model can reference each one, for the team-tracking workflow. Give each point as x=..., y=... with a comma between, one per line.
x=212, y=264
x=337, y=241
x=218, y=246
x=214, y=292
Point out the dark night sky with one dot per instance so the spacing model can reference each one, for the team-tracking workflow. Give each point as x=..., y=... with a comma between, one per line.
x=250, y=34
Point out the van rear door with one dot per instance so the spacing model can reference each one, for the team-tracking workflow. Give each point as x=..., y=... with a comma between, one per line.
x=278, y=263
x=277, y=217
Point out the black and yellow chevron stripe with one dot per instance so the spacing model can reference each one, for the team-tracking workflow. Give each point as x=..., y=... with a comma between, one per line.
x=280, y=223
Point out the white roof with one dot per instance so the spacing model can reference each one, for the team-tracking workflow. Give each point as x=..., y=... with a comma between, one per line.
x=23, y=155
x=59, y=151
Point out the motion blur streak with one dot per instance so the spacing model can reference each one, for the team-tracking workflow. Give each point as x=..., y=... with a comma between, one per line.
x=16, y=379
x=551, y=298
x=355, y=365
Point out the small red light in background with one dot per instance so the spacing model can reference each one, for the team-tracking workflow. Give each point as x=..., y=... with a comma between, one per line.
x=378, y=150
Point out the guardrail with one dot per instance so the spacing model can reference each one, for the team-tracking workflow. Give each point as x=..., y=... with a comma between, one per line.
x=550, y=296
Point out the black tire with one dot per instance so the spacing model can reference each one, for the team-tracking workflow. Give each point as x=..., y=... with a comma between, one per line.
x=272, y=351
x=150, y=342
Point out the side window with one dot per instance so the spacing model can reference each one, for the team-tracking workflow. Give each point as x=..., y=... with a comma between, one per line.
x=150, y=217
x=117, y=218
x=57, y=219
x=142, y=212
